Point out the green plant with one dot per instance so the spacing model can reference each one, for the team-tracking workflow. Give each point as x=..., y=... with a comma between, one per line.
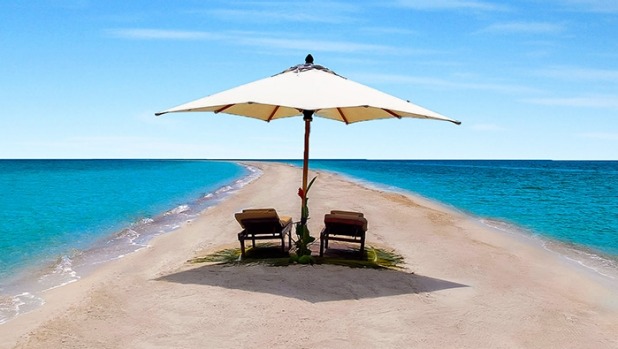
x=303, y=236
x=270, y=254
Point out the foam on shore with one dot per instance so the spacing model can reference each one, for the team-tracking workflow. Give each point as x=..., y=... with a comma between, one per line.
x=580, y=257
x=23, y=292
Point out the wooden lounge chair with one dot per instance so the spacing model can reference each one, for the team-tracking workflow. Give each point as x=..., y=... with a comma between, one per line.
x=344, y=226
x=263, y=224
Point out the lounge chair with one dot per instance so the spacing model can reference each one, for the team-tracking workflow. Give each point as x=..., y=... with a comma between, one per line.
x=263, y=224
x=344, y=226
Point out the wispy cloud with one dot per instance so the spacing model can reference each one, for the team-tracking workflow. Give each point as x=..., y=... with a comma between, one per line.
x=72, y=4
x=440, y=5
x=524, y=28
x=261, y=40
x=579, y=74
x=599, y=6
x=314, y=45
x=162, y=34
x=388, y=31
x=602, y=102
x=122, y=147
x=605, y=136
x=487, y=127
x=448, y=84
x=281, y=16
x=282, y=11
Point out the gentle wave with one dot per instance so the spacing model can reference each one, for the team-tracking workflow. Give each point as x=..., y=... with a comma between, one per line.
x=178, y=210
x=557, y=201
x=603, y=265
x=11, y=306
x=25, y=291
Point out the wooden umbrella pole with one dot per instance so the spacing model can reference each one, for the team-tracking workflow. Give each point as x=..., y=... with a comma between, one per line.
x=308, y=117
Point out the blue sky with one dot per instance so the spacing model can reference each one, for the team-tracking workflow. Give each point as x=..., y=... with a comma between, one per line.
x=528, y=79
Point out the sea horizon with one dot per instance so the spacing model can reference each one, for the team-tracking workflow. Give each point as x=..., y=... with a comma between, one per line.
x=300, y=159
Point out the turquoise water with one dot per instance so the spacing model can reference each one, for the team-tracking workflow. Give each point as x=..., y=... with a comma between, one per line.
x=574, y=202
x=52, y=209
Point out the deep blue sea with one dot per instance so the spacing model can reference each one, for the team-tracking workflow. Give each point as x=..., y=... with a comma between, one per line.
x=58, y=218
x=572, y=202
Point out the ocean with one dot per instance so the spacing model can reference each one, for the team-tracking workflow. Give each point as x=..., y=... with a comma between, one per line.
x=59, y=219
x=570, y=207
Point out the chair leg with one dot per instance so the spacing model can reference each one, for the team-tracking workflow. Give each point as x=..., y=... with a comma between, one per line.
x=362, y=247
x=242, y=248
x=282, y=243
x=289, y=240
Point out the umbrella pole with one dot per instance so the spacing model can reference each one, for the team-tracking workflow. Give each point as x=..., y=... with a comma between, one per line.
x=308, y=117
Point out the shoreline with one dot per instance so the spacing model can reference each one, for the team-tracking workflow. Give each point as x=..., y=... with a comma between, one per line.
x=599, y=263
x=23, y=290
x=463, y=285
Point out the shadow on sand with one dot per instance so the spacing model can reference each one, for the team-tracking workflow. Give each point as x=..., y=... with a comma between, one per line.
x=320, y=283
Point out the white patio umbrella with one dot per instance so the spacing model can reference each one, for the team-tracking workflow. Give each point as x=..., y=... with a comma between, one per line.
x=308, y=89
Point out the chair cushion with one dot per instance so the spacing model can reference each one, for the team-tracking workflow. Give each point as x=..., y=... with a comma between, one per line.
x=264, y=214
x=285, y=220
x=351, y=213
x=346, y=219
x=260, y=211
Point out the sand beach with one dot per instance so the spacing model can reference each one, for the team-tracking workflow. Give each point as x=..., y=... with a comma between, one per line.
x=463, y=285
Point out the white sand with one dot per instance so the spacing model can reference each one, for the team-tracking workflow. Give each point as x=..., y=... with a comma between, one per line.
x=464, y=286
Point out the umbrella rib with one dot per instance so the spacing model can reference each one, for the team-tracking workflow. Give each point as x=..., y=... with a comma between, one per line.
x=392, y=113
x=270, y=117
x=343, y=116
x=224, y=108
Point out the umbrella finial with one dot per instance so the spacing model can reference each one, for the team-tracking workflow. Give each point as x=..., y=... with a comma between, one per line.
x=309, y=59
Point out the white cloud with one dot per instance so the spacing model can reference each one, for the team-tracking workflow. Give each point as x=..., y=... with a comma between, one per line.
x=281, y=16
x=447, y=84
x=579, y=74
x=436, y=5
x=313, y=45
x=487, y=127
x=163, y=34
x=283, y=11
x=600, y=6
x=388, y=31
x=605, y=136
x=72, y=4
x=524, y=28
x=159, y=121
x=121, y=147
x=257, y=39
x=604, y=102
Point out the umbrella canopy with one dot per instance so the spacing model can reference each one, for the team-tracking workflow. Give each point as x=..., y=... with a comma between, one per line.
x=308, y=89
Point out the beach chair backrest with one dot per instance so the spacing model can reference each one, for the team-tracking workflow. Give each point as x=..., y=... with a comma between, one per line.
x=263, y=216
x=345, y=222
x=350, y=213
